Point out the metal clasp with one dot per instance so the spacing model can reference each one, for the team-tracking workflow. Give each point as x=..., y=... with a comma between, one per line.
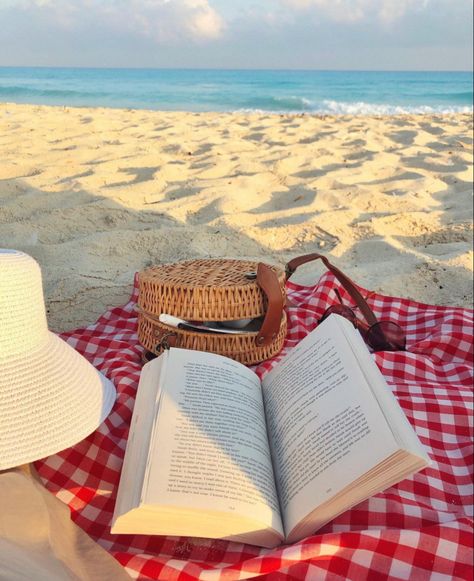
x=164, y=343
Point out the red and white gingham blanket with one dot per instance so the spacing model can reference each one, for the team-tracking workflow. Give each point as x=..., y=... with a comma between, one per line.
x=419, y=529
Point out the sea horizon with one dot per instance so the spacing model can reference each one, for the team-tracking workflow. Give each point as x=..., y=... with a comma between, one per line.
x=210, y=68
x=308, y=91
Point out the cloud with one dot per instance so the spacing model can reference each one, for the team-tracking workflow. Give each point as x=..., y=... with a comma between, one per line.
x=205, y=21
x=371, y=34
x=169, y=20
x=385, y=11
x=160, y=20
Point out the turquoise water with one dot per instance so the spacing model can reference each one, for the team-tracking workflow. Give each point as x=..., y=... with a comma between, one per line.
x=340, y=92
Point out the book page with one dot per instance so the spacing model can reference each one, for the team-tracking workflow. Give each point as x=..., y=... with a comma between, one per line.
x=210, y=448
x=136, y=456
x=403, y=431
x=325, y=426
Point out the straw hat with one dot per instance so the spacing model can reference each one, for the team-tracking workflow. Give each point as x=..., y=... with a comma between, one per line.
x=50, y=396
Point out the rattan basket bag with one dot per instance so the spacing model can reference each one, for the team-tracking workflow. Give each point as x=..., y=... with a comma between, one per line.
x=225, y=291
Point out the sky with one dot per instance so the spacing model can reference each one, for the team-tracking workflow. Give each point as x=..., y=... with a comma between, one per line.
x=273, y=34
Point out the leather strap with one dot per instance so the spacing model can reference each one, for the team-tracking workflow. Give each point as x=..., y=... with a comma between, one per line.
x=268, y=281
x=345, y=281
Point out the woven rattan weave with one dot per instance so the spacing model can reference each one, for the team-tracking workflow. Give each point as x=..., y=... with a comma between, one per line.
x=206, y=290
x=203, y=290
x=154, y=336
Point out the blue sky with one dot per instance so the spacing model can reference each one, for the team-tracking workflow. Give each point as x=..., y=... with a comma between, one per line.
x=314, y=34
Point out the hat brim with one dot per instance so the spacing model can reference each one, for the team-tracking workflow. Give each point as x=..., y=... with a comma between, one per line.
x=50, y=399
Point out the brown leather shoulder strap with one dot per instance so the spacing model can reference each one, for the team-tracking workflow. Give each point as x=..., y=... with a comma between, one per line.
x=267, y=279
x=345, y=281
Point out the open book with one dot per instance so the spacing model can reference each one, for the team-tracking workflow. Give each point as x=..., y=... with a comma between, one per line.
x=213, y=452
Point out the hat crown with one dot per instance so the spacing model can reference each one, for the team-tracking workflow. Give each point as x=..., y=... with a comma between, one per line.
x=23, y=325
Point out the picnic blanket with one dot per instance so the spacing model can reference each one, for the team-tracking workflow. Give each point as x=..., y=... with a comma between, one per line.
x=419, y=529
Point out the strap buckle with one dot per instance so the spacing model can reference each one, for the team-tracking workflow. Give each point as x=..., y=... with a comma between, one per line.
x=164, y=342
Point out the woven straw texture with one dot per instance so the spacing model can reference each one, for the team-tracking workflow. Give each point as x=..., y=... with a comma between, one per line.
x=203, y=290
x=206, y=290
x=50, y=396
x=241, y=347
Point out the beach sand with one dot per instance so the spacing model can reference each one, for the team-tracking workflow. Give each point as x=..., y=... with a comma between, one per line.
x=97, y=194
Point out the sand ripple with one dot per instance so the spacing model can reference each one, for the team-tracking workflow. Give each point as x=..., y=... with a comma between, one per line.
x=97, y=194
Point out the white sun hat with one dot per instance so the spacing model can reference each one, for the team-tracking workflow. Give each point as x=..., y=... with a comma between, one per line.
x=51, y=397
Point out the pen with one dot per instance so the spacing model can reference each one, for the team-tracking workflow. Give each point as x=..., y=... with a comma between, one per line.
x=196, y=326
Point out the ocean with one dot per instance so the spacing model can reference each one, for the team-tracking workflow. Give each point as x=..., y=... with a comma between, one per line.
x=278, y=91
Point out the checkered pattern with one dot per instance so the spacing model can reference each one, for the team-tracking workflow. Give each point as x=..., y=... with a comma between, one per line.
x=419, y=529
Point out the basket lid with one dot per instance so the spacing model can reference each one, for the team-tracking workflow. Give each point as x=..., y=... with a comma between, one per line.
x=204, y=290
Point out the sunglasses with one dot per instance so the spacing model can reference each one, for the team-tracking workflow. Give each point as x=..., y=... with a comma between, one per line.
x=382, y=335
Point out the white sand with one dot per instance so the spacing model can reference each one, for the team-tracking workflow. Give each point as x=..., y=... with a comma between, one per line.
x=97, y=194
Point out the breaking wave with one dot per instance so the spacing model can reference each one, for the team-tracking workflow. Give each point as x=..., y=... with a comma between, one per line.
x=330, y=107
x=362, y=108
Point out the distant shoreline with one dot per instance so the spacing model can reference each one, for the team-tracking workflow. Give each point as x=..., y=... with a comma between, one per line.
x=255, y=113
